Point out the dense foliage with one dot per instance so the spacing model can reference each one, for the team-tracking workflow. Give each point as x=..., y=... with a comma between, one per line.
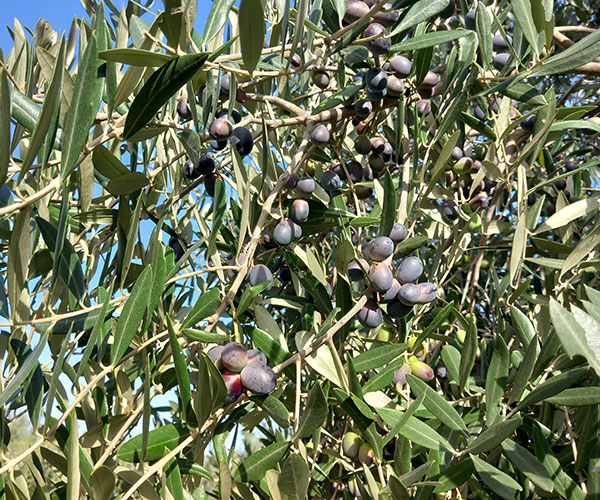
x=392, y=207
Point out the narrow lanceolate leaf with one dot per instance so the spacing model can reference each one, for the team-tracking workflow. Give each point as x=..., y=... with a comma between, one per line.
x=295, y=476
x=583, y=249
x=159, y=88
x=159, y=442
x=572, y=336
x=134, y=57
x=553, y=386
x=518, y=247
x=173, y=479
x=577, y=396
x=528, y=464
x=389, y=205
x=495, y=383
x=205, y=306
x=19, y=254
x=493, y=436
x=378, y=356
x=252, y=32
x=438, y=405
x=216, y=19
x=469, y=351
x=455, y=475
x=83, y=109
x=523, y=325
x=429, y=40
x=582, y=52
x=315, y=413
x=181, y=370
x=31, y=363
x=69, y=266
x=254, y=467
x=49, y=113
x=524, y=18
x=570, y=213
x=132, y=315
x=422, y=434
x=421, y=11
x=499, y=482
x=5, y=105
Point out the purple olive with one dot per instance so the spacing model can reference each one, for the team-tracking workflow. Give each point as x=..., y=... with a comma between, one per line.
x=409, y=294
x=214, y=353
x=305, y=186
x=500, y=60
x=319, y=135
x=355, y=9
x=362, y=145
x=376, y=79
x=355, y=271
x=392, y=292
x=470, y=20
x=370, y=315
x=363, y=108
x=428, y=292
x=379, y=45
x=400, y=374
x=409, y=270
x=242, y=139
x=401, y=66
x=528, y=123
x=257, y=356
x=363, y=192
x=258, y=378
x=285, y=274
x=381, y=248
x=183, y=110
x=431, y=80
x=321, y=79
x=331, y=181
x=423, y=107
x=395, y=86
x=189, y=171
x=397, y=309
x=398, y=232
x=206, y=164
x=283, y=234
x=499, y=44
x=291, y=181
x=382, y=278
x=259, y=274
x=355, y=170
x=299, y=210
x=220, y=129
x=179, y=246
x=234, y=357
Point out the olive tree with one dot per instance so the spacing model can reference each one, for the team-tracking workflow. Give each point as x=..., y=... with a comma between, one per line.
x=314, y=249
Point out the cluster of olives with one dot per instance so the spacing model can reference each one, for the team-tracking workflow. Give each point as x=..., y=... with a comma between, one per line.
x=399, y=293
x=243, y=369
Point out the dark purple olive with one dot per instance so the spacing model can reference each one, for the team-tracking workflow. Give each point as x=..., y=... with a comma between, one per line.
x=370, y=315
x=178, y=245
x=449, y=210
x=397, y=309
x=401, y=66
x=299, y=210
x=499, y=43
x=321, y=79
x=448, y=11
x=387, y=19
x=376, y=162
x=234, y=357
x=260, y=274
x=378, y=145
x=570, y=166
x=428, y=292
x=305, y=186
x=376, y=95
x=398, y=232
x=225, y=85
x=431, y=80
x=355, y=170
x=210, y=182
x=395, y=86
x=479, y=113
x=355, y=9
x=235, y=116
x=242, y=139
x=388, y=152
x=220, y=129
x=409, y=270
x=340, y=171
x=392, y=292
x=531, y=199
x=360, y=77
x=330, y=181
x=376, y=79
x=257, y=356
x=368, y=173
x=218, y=145
x=499, y=61
x=285, y=274
x=258, y=378
x=206, y=164
x=363, y=108
x=356, y=270
x=297, y=230
x=183, y=110
x=470, y=22
x=319, y=135
x=560, y=184
x=382, y=277
x=457, y=153
x=381, y=248
x=189, y=171
x=296, y=60
x=214, y=353
x=528, y=123
x=379, y=45
x=409, y=294
x=283, y=234
x=291, y=181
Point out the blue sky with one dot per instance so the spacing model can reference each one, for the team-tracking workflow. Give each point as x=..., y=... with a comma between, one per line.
x=60, y=14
